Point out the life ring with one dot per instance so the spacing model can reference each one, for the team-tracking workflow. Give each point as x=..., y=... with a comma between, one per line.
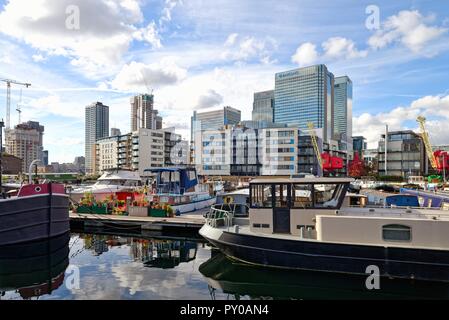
x=228, y=200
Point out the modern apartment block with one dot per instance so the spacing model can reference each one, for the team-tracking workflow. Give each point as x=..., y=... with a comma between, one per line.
x=140, y=150
x=241, y=151
x=143, y=114
x=97, y=127
x=405, y=154
x=342, y=112
x=25, y=141
x=305, y=95
x=263, y=106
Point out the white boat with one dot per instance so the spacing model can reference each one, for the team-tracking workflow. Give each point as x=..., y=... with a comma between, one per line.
x=316, y=231
x=109, y=183
x=179, y=188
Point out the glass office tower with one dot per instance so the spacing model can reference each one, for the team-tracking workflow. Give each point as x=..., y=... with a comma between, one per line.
x=305, y=95
x=343, y=111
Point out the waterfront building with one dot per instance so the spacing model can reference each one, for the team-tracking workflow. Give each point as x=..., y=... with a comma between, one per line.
x=406, y=154
x=241, y=151
x=140, y=150
x=97, y=127
x=305, y=95
x=79, y=164
x=263, y=106
x=25, y=141
x=342, y=112
x=45, y=157
x=143, y=114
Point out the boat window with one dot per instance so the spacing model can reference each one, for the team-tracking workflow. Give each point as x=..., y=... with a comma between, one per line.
x=302, y=196
x=326, y=195
x=281, y=192
x=261, y=196
x=396, y=232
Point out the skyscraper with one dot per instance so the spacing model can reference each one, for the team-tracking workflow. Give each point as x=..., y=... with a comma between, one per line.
x=214, y=120
x=305, y=95
x=143, y=114
x=97, y=127
x=115, y=132
x=343, y=111
x=263, y=106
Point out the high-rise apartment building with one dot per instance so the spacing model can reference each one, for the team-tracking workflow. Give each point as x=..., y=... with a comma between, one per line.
x=25, y=141
x=97, y=127
x=115, y=132
x=263, y=106
x=305, y=95
x=342, y=113
x=143, y=114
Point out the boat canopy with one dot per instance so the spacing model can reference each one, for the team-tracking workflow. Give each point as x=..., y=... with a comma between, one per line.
x=120, y=175
x=174, y=180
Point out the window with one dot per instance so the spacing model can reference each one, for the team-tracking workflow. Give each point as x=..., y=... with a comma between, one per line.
x=326, y=195
x=396, y=232
x=261, y=196
x=281, y=191
x=301, y=196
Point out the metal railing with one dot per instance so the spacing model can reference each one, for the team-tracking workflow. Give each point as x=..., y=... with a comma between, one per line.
x=215, y=217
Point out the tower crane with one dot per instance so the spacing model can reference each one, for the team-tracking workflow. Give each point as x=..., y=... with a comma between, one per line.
x=19, y=107
x=315, y=144
x=8, y=97
x=434, y=156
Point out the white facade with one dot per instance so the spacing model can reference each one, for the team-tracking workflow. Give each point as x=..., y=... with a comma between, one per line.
x=279, y=151
x=106, y=154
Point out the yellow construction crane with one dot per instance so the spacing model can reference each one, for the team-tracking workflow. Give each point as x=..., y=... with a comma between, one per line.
x=8, y=98
x=425, y=137
x=315, y=144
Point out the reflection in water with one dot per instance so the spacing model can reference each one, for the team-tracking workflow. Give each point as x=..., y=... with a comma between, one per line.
x=118, y=267
x=240, y=280
x=33, y=269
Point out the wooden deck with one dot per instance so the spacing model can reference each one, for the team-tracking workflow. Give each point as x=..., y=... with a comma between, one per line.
x=186, y=222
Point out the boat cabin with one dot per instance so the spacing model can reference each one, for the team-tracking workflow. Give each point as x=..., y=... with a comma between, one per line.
x=176, y=181
x=289, y=205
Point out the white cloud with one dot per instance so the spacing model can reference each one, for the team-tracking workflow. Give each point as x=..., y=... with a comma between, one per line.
x=242, y=49
x=167, y=10
x=305, y=54
x=339, y=47
x=410, y=28
x=38, y=58
x=140, y=76
x=107, y=28
x=335, y=48
x=434, y=107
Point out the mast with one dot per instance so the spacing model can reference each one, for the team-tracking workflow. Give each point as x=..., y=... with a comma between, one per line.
x=2, y=124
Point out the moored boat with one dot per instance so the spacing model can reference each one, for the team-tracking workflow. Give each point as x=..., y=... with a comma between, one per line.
x=179, y=188
x=38, y=211
x=315, y=232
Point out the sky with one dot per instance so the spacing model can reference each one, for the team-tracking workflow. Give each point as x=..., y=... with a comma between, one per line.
x=202, y=54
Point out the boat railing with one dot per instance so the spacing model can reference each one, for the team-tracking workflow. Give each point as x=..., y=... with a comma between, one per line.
x=219, y=217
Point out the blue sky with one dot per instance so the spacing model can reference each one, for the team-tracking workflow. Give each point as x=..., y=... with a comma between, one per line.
x=197, y=54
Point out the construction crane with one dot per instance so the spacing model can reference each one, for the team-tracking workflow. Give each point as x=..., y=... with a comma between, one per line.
x=434, y=156
x=325, y=160
x=8, y=97
x=315, y=144
x=425, y=137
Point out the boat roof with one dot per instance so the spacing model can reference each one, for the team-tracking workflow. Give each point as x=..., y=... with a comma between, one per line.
x=121, y=175
x=244, y=192
x=302, y=180
x=171, y=169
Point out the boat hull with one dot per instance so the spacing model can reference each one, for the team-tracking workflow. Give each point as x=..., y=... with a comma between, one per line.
x=394, y=262
x=193, y=206
x=34, y=217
